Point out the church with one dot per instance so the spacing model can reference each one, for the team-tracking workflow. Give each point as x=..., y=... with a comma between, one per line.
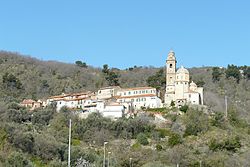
x=179, y=89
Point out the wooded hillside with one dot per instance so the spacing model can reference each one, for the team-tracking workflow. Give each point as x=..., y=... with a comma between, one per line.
x=198, y=136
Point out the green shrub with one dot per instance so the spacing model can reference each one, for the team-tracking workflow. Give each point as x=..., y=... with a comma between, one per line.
x=142, y=139
x=174, y=139
x=158, y=147
x=229, y=144
x=184, y=108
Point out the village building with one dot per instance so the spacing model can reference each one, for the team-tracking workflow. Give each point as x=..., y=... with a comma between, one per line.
x=179, y=89
x=32, y=104
x=73, y=100
x=107, y=92
x=138, y=98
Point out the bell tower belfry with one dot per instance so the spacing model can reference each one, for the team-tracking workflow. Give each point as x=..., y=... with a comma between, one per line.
x=170, y=72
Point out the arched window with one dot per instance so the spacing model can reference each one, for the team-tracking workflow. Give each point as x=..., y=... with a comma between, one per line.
x=171, y=65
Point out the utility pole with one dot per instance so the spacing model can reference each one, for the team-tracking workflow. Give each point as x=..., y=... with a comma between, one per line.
x=104, y=149
x=226, y=107
x=69, y=142
x=130, y=162
x=108, y=157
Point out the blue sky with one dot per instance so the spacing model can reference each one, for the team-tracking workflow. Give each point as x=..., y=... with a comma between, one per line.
x=129, y=32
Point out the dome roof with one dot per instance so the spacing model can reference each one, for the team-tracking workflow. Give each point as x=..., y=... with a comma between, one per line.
x=192, y=84
x=182, y=70
x=171, y=55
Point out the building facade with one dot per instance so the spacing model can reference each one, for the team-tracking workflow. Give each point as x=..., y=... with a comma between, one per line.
x=138, y=98
x=178, y=86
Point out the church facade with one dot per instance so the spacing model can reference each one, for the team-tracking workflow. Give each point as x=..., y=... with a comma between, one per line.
x=179, y=89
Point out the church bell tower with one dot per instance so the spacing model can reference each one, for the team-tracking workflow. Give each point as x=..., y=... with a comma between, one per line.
x=170, y=72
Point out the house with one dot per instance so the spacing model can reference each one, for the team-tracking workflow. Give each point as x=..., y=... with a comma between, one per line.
x=139, y=97
x=73, y=100
x=114, y=110
x=107, y=92
x=32, y=104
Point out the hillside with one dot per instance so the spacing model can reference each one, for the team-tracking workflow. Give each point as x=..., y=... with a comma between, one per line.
x=199, y=136
x=40, y=79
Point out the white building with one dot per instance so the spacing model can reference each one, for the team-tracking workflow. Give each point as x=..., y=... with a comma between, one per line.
x=113, y=110
x=178, y=86
x=139, y=97
x=107, y=92
x=73, y=100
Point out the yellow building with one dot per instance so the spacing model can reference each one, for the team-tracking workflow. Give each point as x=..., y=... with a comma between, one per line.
x=178, y=86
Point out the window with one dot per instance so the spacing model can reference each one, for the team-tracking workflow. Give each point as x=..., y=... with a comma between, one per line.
x=129, y=93
x=171, y=65
x=125, y=93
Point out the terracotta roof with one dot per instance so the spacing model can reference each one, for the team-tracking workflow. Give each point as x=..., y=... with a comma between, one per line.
x=143, y=95
x=110, y=87
x=71, y=94
x=137, y=88
x=28, y=101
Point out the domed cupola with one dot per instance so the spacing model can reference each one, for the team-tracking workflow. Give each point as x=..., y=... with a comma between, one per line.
x=182, y=74
x=193, y=86
x=182, y=70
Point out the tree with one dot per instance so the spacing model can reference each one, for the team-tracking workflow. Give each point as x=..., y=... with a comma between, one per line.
x=200, y=83
x=16, y=159
x=184, y=108
x=81, y=64
x=105, y=69
x=142, y=139
x=247, y=72
x=111, y=76
x=158, y=80
x=196, y=122
x=233, y=71
x=11, y=81
x=216, y=74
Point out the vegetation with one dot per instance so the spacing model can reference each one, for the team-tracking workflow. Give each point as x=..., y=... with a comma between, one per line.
x=40, y=138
